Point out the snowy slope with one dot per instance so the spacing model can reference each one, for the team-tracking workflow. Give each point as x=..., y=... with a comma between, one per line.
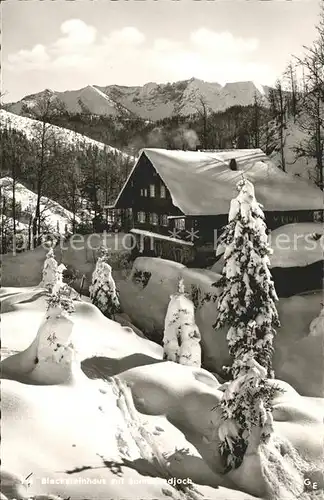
x=145, y=422
x=8, y=223
x=52, y=213
x=28, y=126
x=85, y=100
x=293, y=137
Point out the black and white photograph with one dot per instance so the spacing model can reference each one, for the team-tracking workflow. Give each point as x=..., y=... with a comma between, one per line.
x=162, y=249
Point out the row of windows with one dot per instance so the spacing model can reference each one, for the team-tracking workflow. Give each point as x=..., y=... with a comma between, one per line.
x=180, y=224
x=153, y=218
x=152, y=191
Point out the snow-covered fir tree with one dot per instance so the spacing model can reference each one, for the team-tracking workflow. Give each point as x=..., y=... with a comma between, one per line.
x=59, y=283
x=103, y=292
x=181, y=339
x=60, y=300
x=247, y=306
x=55, y=350
x=49, y=270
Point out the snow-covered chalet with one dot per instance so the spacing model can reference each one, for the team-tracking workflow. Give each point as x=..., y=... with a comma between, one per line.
x=176, y=202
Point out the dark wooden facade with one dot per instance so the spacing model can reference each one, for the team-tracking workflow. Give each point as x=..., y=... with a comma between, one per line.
x=137, y=198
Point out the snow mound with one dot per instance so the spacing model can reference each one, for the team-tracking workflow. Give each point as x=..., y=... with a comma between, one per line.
x=147, y=306
x=187, y=402
x=106, y=335
x=56, y=431
x=127, y=435
x=152, y=278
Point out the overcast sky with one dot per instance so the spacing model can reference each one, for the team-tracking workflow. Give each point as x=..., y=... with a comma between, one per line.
x=65, y=45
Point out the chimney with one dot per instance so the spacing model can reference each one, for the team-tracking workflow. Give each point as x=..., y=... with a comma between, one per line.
x=233, y=164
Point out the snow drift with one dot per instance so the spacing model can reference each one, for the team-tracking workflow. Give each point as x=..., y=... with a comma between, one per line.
x=147, y=306
x=156, y=419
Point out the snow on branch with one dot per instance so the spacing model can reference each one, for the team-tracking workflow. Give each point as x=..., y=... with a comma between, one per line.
x=103, y=292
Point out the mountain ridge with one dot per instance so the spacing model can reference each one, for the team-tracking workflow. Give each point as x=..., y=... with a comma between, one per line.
x=152, y=101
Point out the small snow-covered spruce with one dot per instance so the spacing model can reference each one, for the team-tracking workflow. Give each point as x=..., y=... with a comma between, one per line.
x=247, y=305
x=60, y=298
x=103, y=292
x=181, y=339
x=49, y=270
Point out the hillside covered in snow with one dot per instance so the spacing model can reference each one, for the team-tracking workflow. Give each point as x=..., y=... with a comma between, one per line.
x=29, y=127
x=54, y=217
x=294, y=137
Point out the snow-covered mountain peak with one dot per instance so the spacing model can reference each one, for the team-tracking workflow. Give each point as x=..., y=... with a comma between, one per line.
x=155, y=101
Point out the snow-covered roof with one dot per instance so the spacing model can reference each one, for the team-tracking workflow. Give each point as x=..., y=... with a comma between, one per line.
x=201, y=182
x=294, y=245
x=297, y=245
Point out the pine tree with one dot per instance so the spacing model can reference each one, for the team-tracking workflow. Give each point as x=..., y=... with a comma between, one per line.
x=60, y=299
x=49, y=270
x=103, y=292
x=181, y=339
x=247, y=305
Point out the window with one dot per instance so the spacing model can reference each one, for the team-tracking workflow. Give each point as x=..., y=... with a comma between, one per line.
x=152, y=190
x=154, y=219
x=141, y=217
x=164, y=220
x=142, y=192
x=162, y=191
x=180, y=224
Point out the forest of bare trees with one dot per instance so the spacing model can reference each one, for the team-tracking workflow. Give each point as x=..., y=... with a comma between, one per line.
x=74, y=175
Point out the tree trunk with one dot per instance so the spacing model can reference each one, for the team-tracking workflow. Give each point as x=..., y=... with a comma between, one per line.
x=14, y=213
x=40, y=174
x=281, y=129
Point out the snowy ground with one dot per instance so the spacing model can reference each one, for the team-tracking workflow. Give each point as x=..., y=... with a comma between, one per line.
x=146, y=308
x=25, y=268
x=131, y=425
x=294, y=347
